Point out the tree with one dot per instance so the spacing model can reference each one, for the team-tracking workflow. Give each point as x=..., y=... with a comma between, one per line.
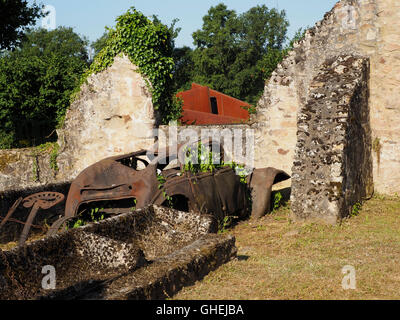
x=183, y=69
x=15, y=17
x=36, y=82
x=217, y=47
x=100, y=43
x=235, y=54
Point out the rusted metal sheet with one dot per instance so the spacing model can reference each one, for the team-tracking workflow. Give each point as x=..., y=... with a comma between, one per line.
x=219, y=193
x=114, y=178
x=260, y=184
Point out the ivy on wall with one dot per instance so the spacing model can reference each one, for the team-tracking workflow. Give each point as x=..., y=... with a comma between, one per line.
x=149, y=46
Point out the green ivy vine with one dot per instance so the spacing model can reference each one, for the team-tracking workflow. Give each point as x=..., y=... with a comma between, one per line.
x=149, y=46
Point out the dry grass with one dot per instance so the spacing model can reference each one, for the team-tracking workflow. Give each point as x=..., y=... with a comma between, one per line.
x=12, y=245
x=282, y=260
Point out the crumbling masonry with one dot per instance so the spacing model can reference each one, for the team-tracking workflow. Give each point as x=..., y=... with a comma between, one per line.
x=368, y=28
x=332, y=168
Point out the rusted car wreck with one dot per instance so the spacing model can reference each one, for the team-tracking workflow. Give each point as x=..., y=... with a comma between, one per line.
x=160, y=178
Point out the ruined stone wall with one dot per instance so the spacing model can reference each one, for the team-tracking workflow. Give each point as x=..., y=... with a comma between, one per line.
x=332, y=168
x=367, y=28
x=112, y=115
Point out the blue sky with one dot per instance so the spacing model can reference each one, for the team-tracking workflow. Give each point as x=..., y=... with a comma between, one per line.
x=89, y=17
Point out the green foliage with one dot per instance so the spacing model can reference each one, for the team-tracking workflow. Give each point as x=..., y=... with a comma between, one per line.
x=250, y=109
x=183, y=69
x=149, y=45
x=200, y=160
x=355, y=211
x=90, y=216
x=298, y=36
x=277, y=201
x=203, y=160
x=235, y=54
x=225, y=224
x=53, y=158
x=15, y=17
x=100, y=43
x=36, y=82
x=161, y=179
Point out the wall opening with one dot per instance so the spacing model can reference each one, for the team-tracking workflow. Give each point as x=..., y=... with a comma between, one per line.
x=214, y=105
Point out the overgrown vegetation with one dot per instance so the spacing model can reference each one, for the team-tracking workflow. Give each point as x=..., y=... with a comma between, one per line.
x=149, y=45
x=95, y=212
x=355, y=211
x=277, y=201
x=203, y=159
x=36, y=81
x=44, y=71
x=16, y=16
x=168, y=200
x=94, y=215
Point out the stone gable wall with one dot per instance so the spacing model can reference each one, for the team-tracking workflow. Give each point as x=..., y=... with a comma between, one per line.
x=113, y=115
x=368, y=28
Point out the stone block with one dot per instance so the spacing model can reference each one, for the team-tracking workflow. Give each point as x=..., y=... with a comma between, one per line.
x=332, y=168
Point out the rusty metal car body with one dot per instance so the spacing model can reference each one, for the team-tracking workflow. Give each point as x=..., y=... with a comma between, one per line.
x=219, y=193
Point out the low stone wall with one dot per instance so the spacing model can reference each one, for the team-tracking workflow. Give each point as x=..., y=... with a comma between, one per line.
x=26, y=168
x=90, y=259
x=332, y=168
x=168, y=275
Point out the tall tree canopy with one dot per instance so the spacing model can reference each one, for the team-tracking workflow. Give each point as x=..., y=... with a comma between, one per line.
x=235, y=53
x=15, y=17
x=36, y=82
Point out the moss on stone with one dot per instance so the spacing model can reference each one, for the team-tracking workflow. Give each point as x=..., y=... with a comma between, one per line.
x=7, y=159
x=377, y=147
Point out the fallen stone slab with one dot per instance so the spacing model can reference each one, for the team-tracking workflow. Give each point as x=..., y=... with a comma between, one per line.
x=166, y=276
x=137, y=255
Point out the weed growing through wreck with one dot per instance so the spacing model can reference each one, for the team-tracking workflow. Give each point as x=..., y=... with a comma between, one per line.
x=277, y=201
x=204, y=160
x=161, y=179
x=94, y=215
